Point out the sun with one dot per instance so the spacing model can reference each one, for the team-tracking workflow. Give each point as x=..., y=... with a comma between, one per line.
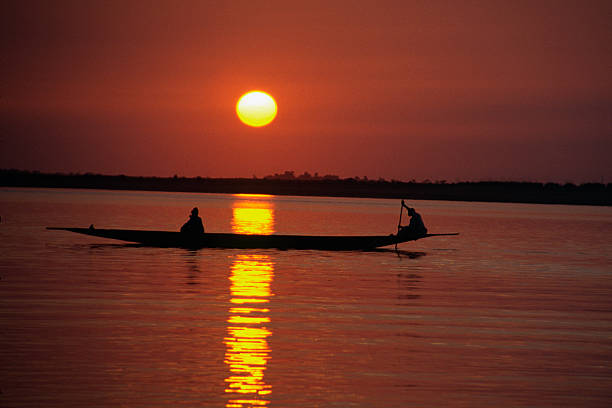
x=256, y=108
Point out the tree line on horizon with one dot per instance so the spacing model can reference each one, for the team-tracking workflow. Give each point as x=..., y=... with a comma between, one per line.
x=12, y=174
x=289, y=184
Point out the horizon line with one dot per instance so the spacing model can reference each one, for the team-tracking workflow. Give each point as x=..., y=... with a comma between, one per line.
x=305, y=176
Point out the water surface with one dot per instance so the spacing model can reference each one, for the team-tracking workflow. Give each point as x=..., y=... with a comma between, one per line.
x=516, y=311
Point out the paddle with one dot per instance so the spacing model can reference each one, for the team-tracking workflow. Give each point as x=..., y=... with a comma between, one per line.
x=399, y=223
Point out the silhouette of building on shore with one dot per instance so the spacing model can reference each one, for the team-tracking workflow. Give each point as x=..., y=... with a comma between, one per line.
x=290, y=175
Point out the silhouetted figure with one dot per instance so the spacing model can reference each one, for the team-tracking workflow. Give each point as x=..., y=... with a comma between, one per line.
x=194, y=224
x=416, y=225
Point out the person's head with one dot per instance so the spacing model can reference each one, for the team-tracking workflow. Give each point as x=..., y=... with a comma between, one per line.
x=195, y=211
x=411, y=212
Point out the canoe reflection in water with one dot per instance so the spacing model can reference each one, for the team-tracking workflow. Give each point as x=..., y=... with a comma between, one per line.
x=247, y=350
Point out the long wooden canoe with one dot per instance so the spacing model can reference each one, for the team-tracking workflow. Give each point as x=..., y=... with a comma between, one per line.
x=226, y=240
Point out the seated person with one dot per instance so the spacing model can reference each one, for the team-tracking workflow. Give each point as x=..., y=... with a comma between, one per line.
x=416, y=225
x=194, y=224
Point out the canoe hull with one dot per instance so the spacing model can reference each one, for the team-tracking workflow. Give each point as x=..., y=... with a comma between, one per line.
x=225, y=240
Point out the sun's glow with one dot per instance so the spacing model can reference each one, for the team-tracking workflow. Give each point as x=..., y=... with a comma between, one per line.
x=248, y=352
x=256, y=108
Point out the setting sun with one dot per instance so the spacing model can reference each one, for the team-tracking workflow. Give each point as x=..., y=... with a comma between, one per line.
x=256, y=108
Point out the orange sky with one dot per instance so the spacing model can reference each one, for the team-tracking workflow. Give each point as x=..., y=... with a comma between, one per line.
x=473, y=90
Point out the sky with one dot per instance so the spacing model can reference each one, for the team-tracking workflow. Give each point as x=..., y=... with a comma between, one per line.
x=424, y=90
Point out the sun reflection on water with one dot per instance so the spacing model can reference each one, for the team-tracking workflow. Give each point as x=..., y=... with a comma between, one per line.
x=253, y=220
x=247, y=350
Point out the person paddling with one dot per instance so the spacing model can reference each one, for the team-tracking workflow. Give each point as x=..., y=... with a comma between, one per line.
x=416, y=225
x=194, y=224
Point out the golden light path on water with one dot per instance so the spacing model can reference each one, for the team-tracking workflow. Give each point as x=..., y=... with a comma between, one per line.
x=247, y=351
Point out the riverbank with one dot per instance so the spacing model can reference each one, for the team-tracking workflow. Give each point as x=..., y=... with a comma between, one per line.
x=516, y=192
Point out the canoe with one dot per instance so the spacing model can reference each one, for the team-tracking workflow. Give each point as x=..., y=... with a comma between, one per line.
x=227, y=240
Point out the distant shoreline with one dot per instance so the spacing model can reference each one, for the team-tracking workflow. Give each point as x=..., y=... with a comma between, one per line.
x=509, y=192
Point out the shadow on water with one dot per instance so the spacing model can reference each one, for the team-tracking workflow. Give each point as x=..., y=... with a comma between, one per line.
x=400, y=253
x=104, y=246
x=190, y=257
x=409, y=284
x=191, y=254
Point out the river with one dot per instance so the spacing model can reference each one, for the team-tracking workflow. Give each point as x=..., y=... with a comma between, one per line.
x=515, y=311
